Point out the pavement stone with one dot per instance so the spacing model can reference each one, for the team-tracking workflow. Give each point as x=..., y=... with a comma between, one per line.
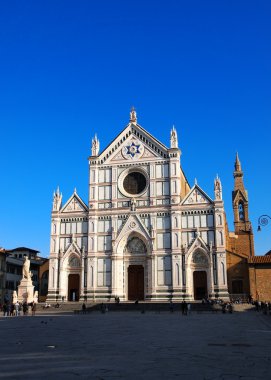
x=136, y=346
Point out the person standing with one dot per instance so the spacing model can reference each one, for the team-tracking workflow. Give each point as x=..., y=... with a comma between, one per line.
x=5, y=310
x=185, y=308
x=33, y=308
x=25, y=308
x=182, y=307
x=16, y=307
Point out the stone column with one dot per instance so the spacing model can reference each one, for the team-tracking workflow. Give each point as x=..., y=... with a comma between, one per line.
x=82, y=286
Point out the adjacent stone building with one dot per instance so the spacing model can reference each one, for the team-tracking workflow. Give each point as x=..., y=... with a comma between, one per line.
x=144, y=233
x=260, y=277
x=248, y=275
x=3, y=271
x=43, y=280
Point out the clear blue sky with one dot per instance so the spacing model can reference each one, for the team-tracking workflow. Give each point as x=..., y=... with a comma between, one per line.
x=69, y=69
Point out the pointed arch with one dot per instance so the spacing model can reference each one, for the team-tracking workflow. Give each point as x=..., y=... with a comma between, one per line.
x=91, y=244
x=176, y=240
x=219, y=220
x=221, y=240
x=176, y=222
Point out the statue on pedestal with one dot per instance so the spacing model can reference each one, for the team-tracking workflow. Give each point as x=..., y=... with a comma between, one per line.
x=26, y=269
x=26, y=287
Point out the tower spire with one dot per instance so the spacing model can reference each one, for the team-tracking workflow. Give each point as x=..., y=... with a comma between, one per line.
x=240, y=201
x=237, y=164
x=238, y=175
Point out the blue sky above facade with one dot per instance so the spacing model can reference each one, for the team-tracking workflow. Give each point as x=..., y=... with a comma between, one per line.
x=70, y=69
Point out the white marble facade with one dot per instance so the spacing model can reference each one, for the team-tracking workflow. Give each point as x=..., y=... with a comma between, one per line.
x=144, y=234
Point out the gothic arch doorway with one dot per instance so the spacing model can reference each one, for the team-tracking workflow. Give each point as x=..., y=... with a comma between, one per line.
x=73, y=287
x=136, y=251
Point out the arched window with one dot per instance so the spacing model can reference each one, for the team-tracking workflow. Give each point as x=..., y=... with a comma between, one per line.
x=221, y=237
x=176, y=222
x=176, y=240
x=91, y=244
x=241, y=211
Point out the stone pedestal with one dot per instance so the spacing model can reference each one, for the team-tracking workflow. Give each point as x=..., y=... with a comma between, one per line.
x=26, y=291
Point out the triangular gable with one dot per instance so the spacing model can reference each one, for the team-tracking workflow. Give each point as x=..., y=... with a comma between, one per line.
x=240, y=195
x=196, y=196
x=133, y=150
x=132, y=143
x=72, y=248
x=198, y=243
x=133, y=224
x=74, y=204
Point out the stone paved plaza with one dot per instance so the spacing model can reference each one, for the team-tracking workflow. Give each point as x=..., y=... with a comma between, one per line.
x=131, y=345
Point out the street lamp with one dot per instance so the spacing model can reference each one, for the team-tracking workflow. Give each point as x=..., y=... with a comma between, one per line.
x=263, y=221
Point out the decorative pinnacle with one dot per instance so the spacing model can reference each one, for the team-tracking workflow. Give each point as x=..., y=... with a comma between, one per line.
x=95, y=146
x=173, y=138
x=133, y=117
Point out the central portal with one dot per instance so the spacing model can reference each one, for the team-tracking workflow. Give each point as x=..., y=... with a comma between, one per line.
x=73, y=287
x=135, y=282
x=200, y=285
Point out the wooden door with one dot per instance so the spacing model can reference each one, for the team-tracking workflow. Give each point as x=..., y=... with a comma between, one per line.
x=135, y=282
x=200, y=285
x=73, y=287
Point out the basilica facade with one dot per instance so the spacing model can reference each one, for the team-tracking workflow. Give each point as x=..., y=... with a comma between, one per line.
x=145, y=233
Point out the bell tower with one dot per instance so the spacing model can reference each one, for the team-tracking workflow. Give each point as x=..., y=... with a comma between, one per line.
x=242, y=224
